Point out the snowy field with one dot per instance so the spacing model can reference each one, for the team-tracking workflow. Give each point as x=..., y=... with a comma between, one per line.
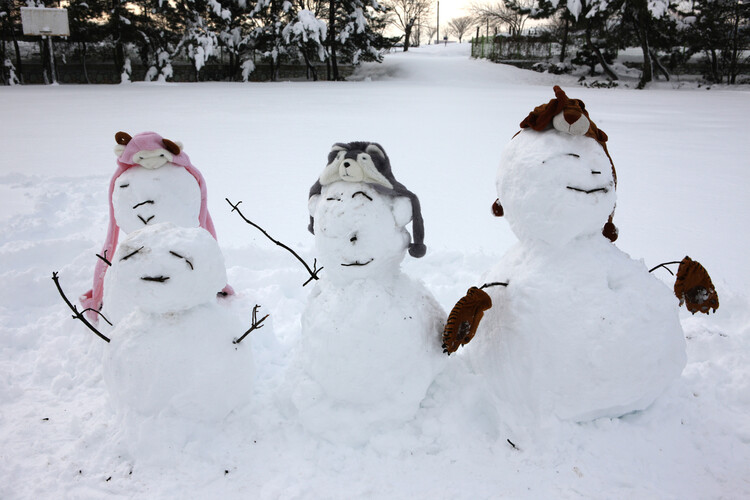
x=681, y=154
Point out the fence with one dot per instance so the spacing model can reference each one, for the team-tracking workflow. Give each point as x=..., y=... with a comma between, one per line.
x=517, y=48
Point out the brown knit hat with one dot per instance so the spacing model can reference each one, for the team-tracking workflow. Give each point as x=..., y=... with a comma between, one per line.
x=570, y=116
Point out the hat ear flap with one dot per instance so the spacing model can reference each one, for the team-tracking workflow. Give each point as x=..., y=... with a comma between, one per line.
x=610, y=231
x=497, y=209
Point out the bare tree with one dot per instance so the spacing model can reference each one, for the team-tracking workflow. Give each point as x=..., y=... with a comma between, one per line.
x=431, y=32
x=458, y=26
x=408, y=14
x=499, y=14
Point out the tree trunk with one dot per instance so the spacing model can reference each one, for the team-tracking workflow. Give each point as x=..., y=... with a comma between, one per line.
x=407, y=36
x=564, y=42
x=657, y=63
x=334, y=68
x=733, y=71
x=118, y=49
x=83, y=61
x=311, y=71
x=611, y=74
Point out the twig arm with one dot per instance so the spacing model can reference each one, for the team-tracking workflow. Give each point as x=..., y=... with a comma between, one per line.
x=78, y=315
x=664, y=265
x=313, y=272
x=255, y=324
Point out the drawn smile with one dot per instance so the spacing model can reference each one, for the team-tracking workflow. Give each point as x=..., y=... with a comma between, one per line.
x=357, y=263
x=158, y=279
x=589, y=191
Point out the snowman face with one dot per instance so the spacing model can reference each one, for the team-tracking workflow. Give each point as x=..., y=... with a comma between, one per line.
x=359, y=233
x=164, y=268
x=555, y=187
x=144, y=197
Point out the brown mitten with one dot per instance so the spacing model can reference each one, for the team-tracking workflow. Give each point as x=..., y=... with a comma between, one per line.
x=464, y=319
x=694, y=288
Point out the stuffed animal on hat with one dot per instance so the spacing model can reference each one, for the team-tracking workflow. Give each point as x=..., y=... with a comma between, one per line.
x=367, y=162
x=154, y=182
x=568, y=116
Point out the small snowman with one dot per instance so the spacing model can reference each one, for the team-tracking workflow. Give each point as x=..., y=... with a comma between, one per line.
x=172, y=352
x=154, y=182
x=370, y=334
x=575, y=329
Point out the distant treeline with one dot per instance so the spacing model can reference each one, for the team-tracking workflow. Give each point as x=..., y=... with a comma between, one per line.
x=195, y=40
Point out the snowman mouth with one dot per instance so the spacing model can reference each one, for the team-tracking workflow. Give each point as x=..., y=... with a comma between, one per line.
x=357, y=263
x=158, y=279
x=146, y=221
x=588, y=191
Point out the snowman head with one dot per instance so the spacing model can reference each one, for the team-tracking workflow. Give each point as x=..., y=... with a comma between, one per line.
x=556, y=180
x=145, y=196
x=366, y=162
x=162, y=269
x=359, y=232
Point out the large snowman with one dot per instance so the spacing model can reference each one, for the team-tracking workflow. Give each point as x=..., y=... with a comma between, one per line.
x=581, y=330
x=154, y=182
x=370, y=334
x=172, y=352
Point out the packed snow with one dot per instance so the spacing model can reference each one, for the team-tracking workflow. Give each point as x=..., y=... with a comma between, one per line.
x=680, y=153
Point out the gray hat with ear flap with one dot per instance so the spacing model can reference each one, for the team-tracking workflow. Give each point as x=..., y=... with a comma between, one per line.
x=370, y=164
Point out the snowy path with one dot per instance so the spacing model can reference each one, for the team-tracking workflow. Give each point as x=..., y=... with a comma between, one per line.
x=681, y=158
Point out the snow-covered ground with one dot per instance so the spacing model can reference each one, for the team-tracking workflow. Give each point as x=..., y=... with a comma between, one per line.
x=681, y=158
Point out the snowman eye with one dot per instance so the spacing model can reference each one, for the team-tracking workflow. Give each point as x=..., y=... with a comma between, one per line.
x=333, y=199
x=596, y=172
x=131, y=254
x=124, y=185
x=567, y=154
x=181, y=257
x=363, y=194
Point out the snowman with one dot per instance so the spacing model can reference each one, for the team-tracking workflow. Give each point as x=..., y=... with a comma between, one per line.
x=172, y=352
x=575, y=329
x=154, y=182
x=370, y=334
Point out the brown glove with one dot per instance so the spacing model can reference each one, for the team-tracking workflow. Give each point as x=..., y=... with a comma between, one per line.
x=694, y=288
x=464, y=319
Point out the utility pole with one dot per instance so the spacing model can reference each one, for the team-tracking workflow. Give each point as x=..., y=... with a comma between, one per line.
x=437, y=37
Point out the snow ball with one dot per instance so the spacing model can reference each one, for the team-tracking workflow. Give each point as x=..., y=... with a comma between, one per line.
x=163, y=269
x=555, y=187
x=359, y=233
x=144, y=197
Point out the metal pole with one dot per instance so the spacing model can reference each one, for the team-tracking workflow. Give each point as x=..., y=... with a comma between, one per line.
x=52, y=61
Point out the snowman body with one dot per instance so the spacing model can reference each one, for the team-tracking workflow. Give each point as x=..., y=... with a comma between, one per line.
x=171, y=352
x=370, y=343
x=581, y=331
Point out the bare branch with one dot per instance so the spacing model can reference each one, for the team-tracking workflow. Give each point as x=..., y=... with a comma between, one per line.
x=313, y=272
x=254, y=325
x=79, y=315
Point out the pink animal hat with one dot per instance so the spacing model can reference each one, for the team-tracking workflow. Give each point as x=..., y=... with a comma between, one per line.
x=145, y=141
